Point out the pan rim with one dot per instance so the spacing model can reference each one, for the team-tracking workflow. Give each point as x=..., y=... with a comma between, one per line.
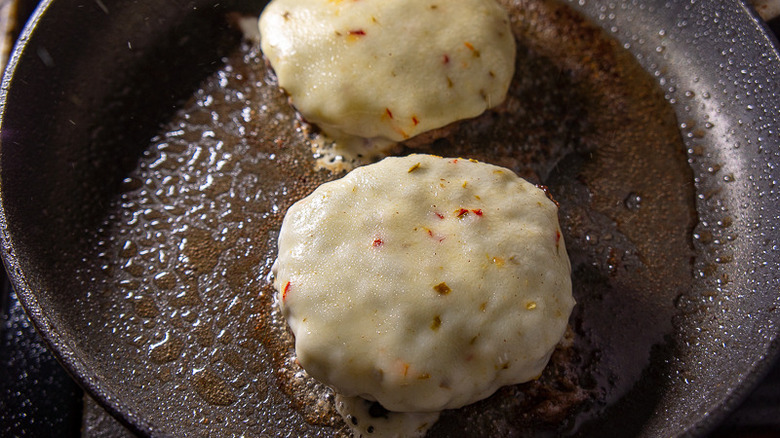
x=759, y=368
x=52, y=336
x=78, y=369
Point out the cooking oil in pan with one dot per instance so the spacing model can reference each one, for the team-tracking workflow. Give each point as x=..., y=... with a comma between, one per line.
x=189, y=246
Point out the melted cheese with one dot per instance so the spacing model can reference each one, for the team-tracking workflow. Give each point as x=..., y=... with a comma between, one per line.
x=371, y=73
x=424, y=283
x=364, y=419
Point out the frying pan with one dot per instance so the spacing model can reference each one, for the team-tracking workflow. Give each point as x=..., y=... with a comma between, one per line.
x=674, y=248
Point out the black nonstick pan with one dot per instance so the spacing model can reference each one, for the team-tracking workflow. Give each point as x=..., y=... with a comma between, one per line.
x=147, y=158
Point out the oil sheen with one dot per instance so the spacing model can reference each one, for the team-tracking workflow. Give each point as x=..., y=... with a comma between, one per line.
x=186, y=250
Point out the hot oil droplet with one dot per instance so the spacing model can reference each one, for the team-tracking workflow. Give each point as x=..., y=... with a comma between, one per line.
x=167, y=350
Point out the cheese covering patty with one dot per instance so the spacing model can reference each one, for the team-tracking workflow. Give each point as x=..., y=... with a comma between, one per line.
x=389, y=70
x=424, y=283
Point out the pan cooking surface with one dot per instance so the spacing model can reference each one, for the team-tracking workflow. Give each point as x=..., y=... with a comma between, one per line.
x=184, y=258
x=651, y=133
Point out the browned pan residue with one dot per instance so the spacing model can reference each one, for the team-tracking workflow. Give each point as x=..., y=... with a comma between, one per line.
x=189, y=246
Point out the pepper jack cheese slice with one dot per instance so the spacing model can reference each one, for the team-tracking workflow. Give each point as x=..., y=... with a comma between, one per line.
x=424, y=283
x=373, y=72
